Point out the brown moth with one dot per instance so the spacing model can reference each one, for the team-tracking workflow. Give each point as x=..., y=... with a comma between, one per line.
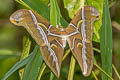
x=52, y=40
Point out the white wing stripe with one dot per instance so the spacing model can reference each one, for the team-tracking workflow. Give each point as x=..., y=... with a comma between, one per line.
x=83, y=41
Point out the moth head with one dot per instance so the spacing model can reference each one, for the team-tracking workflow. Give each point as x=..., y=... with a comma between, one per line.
x=19, y=17
x=95, y=13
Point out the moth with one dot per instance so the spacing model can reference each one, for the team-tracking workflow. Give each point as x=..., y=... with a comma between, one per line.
x=52, y=40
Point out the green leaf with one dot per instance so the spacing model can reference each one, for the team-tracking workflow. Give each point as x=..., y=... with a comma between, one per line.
x=33, y=66
x=106, y=42
x=54, y=13
x=39, y=7
x=20, y=64
x=25, y=52
x=73, y=6
x=45, y=1
x=51, y=76
x=26, y=46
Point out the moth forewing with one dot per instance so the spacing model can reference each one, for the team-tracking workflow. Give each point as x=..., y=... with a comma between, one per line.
x=38, y=28
x=82, y=46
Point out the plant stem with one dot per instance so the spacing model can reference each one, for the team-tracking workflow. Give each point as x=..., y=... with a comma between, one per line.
x=71, y=70
x=116, y=71
x=94, y=75
x=41, y=71
x=103, y=71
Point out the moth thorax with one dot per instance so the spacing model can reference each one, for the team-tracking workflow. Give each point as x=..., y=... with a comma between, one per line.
x=64, y=42
x=64, y=37
x=62, y=29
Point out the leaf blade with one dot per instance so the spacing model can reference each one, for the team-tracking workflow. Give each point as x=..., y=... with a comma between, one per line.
x=106, y=42
x=19, y=64
x=33, y=66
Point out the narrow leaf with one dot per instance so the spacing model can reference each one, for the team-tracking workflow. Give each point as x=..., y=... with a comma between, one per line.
x=106, y=42
x=25, y=52
x=33, y=66
x=51, y=76
x=19, y=64
x=26, y=47
x=54, y=13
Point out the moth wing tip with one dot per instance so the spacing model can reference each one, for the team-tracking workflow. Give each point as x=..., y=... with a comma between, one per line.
x=86, y=73
x=57, y=74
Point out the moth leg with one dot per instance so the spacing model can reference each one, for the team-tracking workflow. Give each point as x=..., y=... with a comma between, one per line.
x=88, y=41
x=79, y=23
x=51, y=38
x=42, y=44
x=40, y=24
x=77, y=36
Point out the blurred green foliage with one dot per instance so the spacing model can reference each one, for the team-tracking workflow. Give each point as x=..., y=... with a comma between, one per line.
x=6, y=10
x=10, y=38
